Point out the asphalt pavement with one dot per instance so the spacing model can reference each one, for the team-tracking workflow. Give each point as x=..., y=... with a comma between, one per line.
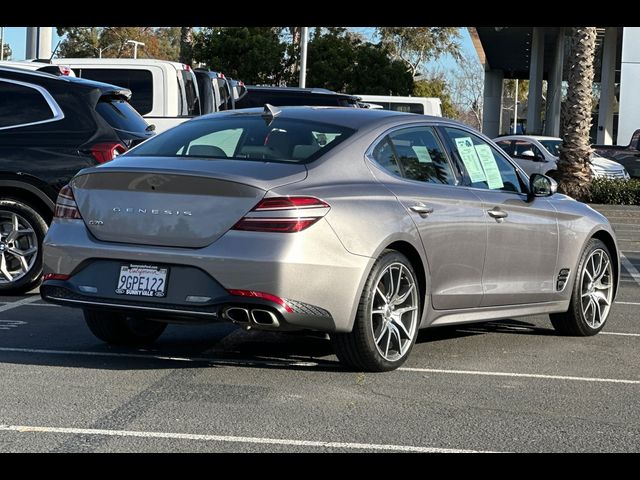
x=507, y=386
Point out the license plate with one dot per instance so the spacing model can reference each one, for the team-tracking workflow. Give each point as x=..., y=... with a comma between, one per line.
x=142, y=281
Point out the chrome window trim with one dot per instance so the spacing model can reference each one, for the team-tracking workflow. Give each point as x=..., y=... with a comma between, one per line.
x=56, y=111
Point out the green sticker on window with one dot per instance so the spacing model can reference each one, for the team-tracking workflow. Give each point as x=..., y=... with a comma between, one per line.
x=490, y=167
x=470, y=159
x=422, y=153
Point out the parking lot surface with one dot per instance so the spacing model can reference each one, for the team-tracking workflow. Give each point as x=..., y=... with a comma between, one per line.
x=505, y=386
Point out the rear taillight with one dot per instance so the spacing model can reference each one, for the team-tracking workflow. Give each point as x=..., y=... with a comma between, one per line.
x=66, y=206
x=107, y=151
x=283, y=214
x=64, y=70
x=55, y=276
x=263, y=296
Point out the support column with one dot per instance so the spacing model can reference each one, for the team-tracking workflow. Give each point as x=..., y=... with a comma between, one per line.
x=492, y=106
x=31, y=50
x=554, y=89
x=535, y=81
x=44, y=42
x=607, y=87
x=629, y=119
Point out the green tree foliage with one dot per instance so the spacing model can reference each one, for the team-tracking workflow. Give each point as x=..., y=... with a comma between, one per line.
x=416, y=45
x=255, y=55
x=437, y=87
x=341, y=61
x=111, y=42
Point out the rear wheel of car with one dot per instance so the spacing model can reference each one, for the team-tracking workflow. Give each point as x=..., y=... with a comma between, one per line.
x=592, y=293
x=386, y=324
x=22, y=230
x=122, y=329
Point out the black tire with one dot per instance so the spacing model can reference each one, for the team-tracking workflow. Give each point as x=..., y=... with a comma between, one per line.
x=357, y=349
x=573, y=321
x=33, y=276
x=120, y=329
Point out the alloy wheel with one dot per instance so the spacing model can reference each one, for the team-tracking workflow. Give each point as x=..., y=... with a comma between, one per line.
x=18, y=247
x=596, y=288
x=394, y=311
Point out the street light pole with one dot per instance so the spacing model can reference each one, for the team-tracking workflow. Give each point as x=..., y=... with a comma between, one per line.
x=515, y=110
x=304, y=38
x=135, y=47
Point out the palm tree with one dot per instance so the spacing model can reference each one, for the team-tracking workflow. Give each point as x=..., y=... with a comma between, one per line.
x=574, y=174
x=186, y=45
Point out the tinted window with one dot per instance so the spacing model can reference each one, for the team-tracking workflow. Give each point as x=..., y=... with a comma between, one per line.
x=553, y=146
x=21, y=105
x=421, y=156
x=384, y=154
x=522, y=146
x=140, y=82
x=401, y=107
x=193, y=102
x=247, y=138
x=506, y=145
x=485, y=166
x=120, y=115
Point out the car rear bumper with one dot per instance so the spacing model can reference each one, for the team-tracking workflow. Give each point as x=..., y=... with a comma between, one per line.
x=311, y=271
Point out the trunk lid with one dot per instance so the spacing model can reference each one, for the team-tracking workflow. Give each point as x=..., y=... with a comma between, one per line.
x=174, y=202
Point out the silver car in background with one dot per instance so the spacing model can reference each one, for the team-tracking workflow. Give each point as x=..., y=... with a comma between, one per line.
x=539, y=154
x=366, y=224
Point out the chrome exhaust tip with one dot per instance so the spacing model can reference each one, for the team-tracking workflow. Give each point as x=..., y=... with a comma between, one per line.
x=238, y=315
x=264, y=318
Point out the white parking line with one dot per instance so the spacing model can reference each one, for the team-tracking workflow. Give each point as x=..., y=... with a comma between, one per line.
x=627, y=303
x=309, y=364
x=234, y=439
x=521, y=375
x=19, y=303
x=633, y=271
x=620, y=334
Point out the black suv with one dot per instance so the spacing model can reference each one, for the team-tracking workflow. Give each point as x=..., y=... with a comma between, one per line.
x=50, y=128
x=291, y=96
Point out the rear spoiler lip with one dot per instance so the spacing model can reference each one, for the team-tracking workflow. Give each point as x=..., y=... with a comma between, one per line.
x=116, y=92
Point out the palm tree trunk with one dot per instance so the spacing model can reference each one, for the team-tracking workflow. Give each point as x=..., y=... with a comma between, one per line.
x=186, y=45
x=574, y=173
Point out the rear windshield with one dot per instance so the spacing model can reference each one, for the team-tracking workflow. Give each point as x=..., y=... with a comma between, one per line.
x=139, y=81
x=120, y=115
x=247, y=138
x=193, y=102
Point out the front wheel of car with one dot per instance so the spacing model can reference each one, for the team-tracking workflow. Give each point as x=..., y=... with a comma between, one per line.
x=386, y=324
x=592, y=294
x=22, y=230
x=122, y=329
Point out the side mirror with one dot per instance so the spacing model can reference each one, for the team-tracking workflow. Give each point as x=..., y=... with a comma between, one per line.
x=541, y=186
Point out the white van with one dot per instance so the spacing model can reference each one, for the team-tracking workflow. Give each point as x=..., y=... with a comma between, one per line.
x=164, y=93
x=421, y=105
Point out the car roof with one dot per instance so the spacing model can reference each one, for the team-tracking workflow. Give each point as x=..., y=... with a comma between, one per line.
x=525, y=137
x=38, y=77
x=116, y=61
x=322, y=91
x=350, y=117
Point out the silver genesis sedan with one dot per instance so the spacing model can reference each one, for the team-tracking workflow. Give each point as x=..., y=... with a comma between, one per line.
x=366, y=224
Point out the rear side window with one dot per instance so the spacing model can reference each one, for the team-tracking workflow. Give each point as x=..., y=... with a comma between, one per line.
x=120, y=115
x=400, y=107
x=506, y=145
x=140, y=82
x=21, y=105
x=193, y=102
x=247, y=138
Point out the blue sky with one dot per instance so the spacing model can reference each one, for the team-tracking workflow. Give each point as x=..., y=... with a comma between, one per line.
x=16, y=37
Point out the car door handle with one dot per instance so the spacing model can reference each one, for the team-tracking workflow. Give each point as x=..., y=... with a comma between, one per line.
x=497, y=213
x=421, y=208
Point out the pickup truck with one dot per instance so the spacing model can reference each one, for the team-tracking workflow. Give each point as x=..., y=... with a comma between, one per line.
x=629, y=155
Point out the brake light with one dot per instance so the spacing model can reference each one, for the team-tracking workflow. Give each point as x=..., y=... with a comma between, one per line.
x=66, y=206
x=107, y=151
x=55, y=276
x=283, y=215
x=264, y=296
x=64, y=70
